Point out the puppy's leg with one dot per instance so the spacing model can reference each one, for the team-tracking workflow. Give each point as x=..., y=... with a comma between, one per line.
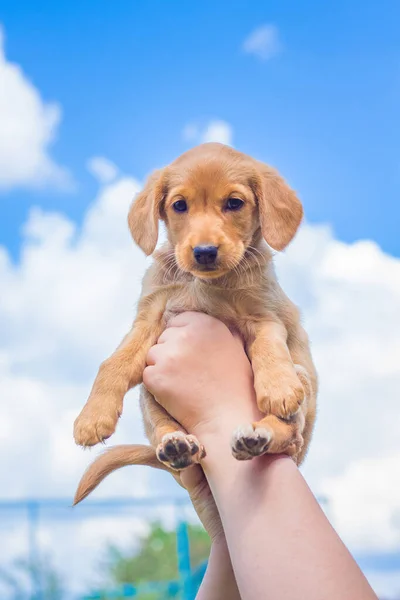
x=278, y=388
x=119, y=373
x=299, y=348
x=279, y=393
x=175, y=448
x=273, y=434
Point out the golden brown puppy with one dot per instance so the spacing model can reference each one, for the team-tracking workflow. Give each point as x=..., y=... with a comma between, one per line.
x=219, y=206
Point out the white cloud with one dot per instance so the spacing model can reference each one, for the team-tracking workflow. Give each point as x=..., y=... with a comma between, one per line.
x=102, y=169
x=65, y=306
x=214, y=131
x=351, y=295
x=63, y=309
x=365, y=502
x=264, y=42
x=70, y=299
x=28, y=127
x=218, y=131
x=386, y=584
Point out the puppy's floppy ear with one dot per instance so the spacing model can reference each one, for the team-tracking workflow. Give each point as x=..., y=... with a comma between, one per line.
x=279, y=208
x=145, y=212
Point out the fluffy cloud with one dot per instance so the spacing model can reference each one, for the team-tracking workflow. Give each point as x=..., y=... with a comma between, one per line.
x=63, y=309
x=65, y=306
x=69, y=300
x=365, y=501
x=351, y=295
x=28, y=127
x=102, y=169
x=214, y=131
x=264, y=42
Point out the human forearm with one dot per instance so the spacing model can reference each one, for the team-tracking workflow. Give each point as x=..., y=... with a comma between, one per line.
x=280, y=543
x=219, y=581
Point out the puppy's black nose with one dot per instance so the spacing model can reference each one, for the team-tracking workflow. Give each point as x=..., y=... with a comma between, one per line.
x=205, y=255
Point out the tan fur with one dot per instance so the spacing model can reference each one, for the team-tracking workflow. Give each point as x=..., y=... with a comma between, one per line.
x=112, y=459
x=242, y=292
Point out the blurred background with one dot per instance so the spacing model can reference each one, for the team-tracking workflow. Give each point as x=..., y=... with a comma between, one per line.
x=95, y=95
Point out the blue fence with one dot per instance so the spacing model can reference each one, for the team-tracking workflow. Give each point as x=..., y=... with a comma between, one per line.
x=35, y=530
x=33, y=514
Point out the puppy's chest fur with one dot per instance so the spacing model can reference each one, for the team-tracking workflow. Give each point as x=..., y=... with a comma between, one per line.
x=229, y=305
x=238, y=301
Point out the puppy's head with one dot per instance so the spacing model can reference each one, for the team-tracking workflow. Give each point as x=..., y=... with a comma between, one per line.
x=214, y=200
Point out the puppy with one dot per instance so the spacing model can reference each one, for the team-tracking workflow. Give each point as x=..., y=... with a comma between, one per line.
x=219, y=207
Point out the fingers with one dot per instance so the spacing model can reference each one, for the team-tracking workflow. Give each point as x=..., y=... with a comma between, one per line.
x=196, y=321
x=178, y=323
x=190, y=318
x=200, y=325
x=148, y=377
x=166, y=335
x=183, y=319
x=153, y=355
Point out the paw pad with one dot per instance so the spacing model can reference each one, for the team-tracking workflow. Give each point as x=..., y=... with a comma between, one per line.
x=248, y=442
x=179, y=451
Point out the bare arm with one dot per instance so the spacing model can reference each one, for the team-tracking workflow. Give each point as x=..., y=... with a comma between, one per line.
x=219, y=581
x=280, y=542
x=281, y=545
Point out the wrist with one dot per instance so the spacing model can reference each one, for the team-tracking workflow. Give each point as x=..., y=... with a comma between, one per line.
x=222, y=424
x=224, y=472
x=217, y=436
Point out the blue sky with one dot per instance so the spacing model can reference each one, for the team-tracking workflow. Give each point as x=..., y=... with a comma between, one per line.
x=318, y=98
x=130, y=75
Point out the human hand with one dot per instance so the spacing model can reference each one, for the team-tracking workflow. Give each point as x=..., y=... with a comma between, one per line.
x=198, y=371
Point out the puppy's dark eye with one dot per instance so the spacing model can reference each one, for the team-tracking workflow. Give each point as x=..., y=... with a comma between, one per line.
x=234, y=204
x=180, y=206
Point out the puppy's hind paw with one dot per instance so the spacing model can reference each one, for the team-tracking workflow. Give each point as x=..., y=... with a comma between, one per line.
x=248, y=442
x=179, y=451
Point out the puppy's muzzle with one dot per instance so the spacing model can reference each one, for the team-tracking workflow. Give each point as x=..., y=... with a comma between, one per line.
x=205, y=255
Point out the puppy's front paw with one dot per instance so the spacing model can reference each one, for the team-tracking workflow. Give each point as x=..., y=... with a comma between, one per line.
x=178, y=450
x=94, y=426
x=249, y=441
x=281, y=395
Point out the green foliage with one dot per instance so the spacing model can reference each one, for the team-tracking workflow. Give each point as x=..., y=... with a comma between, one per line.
x=155, y=558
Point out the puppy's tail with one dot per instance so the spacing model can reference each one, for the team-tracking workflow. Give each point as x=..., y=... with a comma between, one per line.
x=112, y=459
